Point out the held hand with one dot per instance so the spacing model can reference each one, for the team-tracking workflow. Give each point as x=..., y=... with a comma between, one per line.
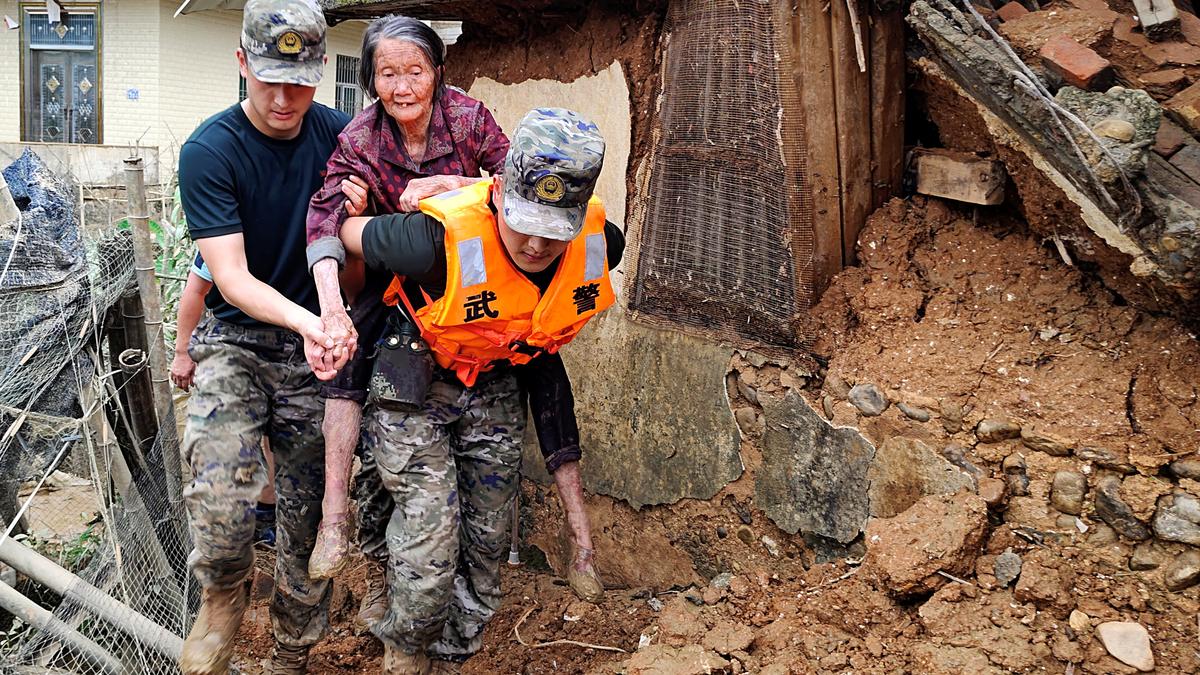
x=183, y=368
x=420, y=188
x=318, y=346
x=356, y=193
x=337, y=325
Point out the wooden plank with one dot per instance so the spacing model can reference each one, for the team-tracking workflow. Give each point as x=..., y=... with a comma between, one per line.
x=960, y=176
x=887, y=105
x=852, y=100
x=813, y=76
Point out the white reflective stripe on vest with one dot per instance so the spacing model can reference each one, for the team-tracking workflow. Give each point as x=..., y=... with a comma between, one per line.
x=470, y=261
x=593, y=267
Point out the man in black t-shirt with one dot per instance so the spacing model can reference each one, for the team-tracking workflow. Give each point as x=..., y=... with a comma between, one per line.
x=245, y=178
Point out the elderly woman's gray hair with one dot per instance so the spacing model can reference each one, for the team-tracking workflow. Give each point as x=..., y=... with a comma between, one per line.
x=408, y=29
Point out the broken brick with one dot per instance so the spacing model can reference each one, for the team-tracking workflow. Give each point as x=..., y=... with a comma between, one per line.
x=1164, y=83
x=1185, y=108
x=1173, y=53
x=1013, y=10
x=1170, y=138
x=1077, y=65
x=1187, y=161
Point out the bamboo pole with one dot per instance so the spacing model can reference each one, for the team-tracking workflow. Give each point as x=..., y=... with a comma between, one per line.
x=143, y=256
x=42, y=619
x=122, y=616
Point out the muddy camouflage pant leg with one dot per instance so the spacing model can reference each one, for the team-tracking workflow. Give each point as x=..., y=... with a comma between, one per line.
x=374, y=506
x=251, y=383
x=446, y=540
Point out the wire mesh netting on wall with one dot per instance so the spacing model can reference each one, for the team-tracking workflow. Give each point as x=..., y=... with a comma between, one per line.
x=726, y=234
x=61, y=401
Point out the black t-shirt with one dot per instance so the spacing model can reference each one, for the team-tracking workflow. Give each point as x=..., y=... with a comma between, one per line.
x=233, y=178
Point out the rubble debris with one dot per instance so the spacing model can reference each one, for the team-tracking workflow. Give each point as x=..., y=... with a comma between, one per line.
x=1170, y=139
x=1044, y=441
x=1127, y=642
x=813, y=473
x=1011, y=11
x=1113, y=510
x=951, y=529
x=913, y=412
x=1077, y=65
x=665, y=660
x=1146, y=556
x=1178, y=518
x=1067, y=492
x=869, y=400
x=905, y=470
x=1185, y=108
x=1080, y=622
x=960, y=176
x=1007, y=567
x=996, y=430
x=1159, y=19
x=1183, y=572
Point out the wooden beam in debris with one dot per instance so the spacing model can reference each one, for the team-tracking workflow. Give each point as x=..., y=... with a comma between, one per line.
x=1159, y=19
x=960, y=176
x=813, y=77
x=887, y=105
x=852, y=105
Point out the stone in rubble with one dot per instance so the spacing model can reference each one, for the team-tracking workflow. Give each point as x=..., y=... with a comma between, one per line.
x=1185, y=468
x=1178, y=518
x=996, y=430
x=1105, y=458
x=1067, y=491
x=1146, y=556
x=727, y=637
x=1112, y=510
x=1119, y=130
x=950, y=529
x=1044, y=441
x=1127, y=642
x=904, y=470
x=914, y=412
x=1007, y=567
x=1183, y=572
x=666, y=660
x=869, y=400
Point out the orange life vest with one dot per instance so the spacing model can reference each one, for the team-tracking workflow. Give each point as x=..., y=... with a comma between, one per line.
x=492, y=312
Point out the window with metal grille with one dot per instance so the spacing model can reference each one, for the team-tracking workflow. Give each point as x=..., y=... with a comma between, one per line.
x=726, y=238
x=348, y=96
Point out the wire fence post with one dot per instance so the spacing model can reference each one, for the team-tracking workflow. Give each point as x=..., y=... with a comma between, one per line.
x=143, y=257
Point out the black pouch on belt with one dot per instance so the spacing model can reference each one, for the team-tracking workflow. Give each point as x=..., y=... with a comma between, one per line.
x=403, y=367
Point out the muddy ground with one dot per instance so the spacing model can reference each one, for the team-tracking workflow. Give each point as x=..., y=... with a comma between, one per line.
x=950, y=307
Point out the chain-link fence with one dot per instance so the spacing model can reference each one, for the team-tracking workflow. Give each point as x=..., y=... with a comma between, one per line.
x=131, y=598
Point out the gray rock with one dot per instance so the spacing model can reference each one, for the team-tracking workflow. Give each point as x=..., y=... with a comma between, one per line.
x=994, y=430
x=1067, y=492
x=746, y=419
x=771, y=545
x=1111, y=509
x=813, y=475
x=1007, y=567
x=1127, y=642
x=1103, y=457
x=1043, y=441
x=904, y=470
x=1146, y=556
x=1185, y=468
x=1014, y=475
x=755, y=359
x=952, y=416
x=721, y=580
x=655, y=604
x=869, y=400
x=1182, y=572
x=1101, y=534
x=1178, y=518
x=957, y=455
x=914, y=412
x=827, y=406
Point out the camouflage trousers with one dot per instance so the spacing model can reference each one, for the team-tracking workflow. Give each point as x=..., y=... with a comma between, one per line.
x=252, y=383
x=453, y=471
x=374, y=505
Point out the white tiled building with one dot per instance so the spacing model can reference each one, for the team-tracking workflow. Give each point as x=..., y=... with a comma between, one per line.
x=120, y=72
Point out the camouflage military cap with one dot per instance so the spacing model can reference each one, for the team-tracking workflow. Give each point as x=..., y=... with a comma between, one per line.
x=550, y=173
x=284, y=41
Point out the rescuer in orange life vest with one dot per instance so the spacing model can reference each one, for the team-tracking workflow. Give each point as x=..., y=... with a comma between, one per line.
x=498, y=276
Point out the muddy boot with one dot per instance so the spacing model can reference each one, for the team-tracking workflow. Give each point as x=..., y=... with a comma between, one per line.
x=440, y=667
x=397, y=662
x=287, y=660
x=582, y=577
x=332, y=549
x=209, y=646
x=374, y=601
